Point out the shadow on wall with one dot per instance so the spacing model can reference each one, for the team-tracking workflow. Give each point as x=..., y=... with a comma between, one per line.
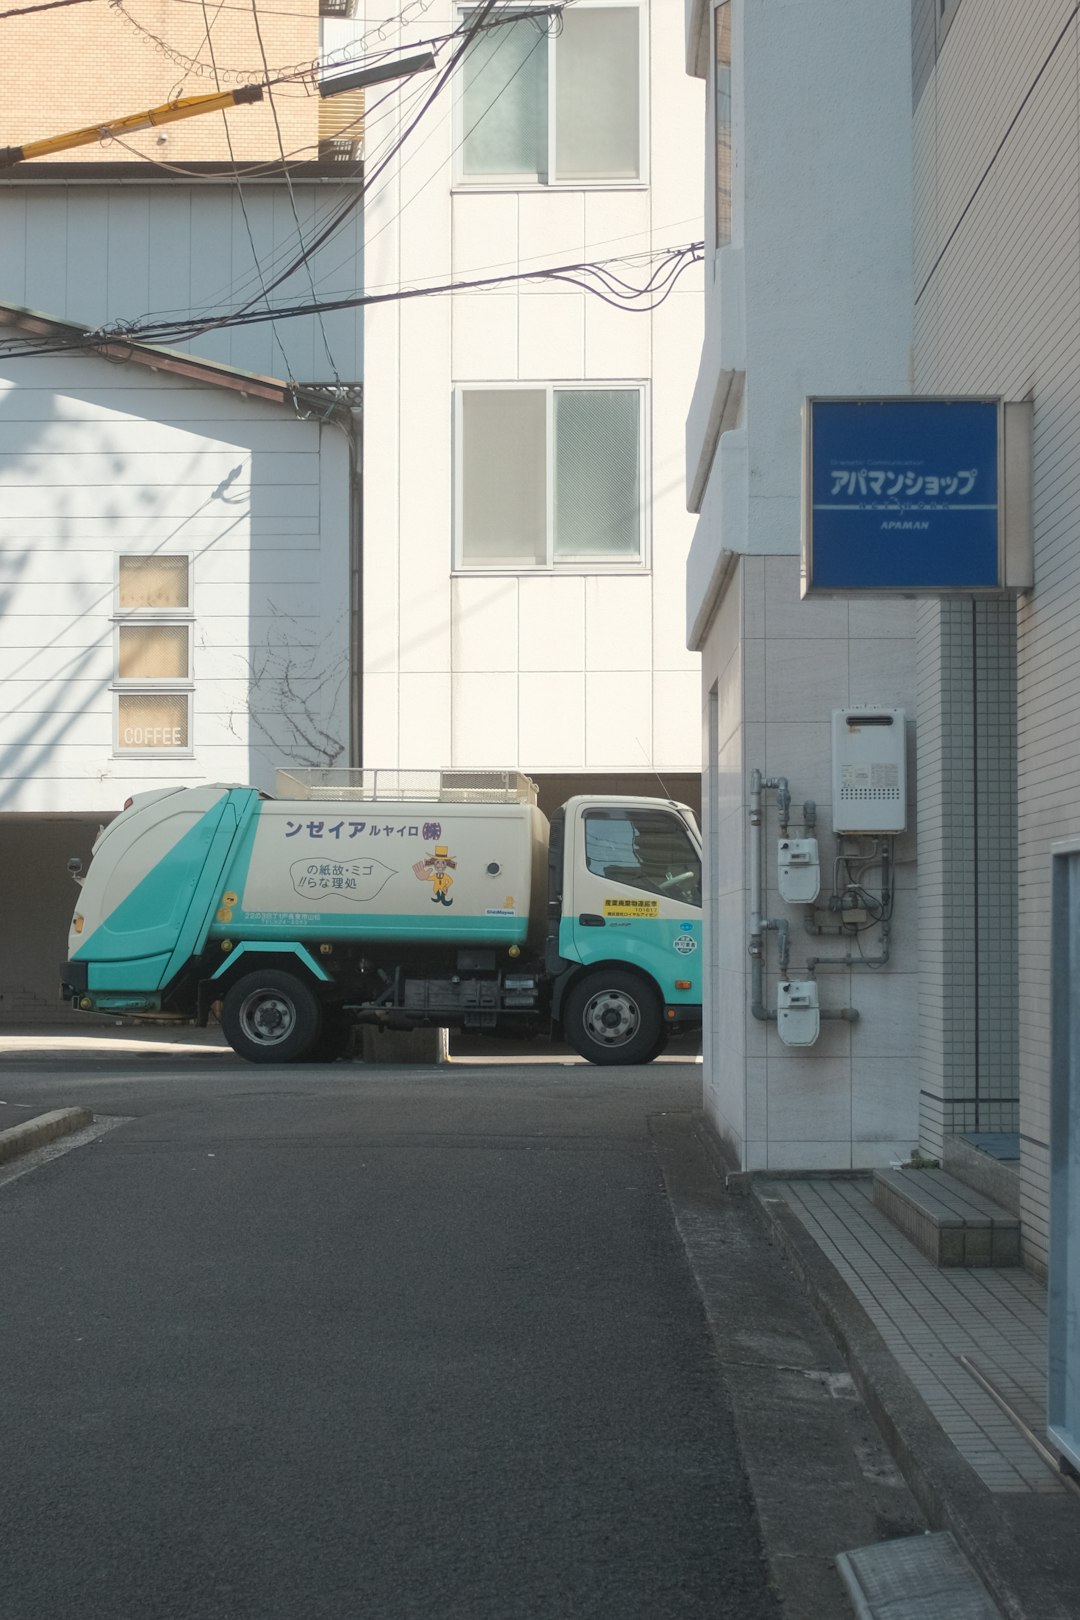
x=61, y=675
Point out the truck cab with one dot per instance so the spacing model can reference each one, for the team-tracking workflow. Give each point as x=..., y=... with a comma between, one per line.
x=624, y=949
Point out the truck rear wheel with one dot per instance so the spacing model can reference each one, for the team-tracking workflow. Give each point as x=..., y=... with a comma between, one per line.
x=614, y=1017
x=271, y=1017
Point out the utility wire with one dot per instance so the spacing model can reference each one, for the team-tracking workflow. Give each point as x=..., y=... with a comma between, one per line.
x=598, y=279
x=292, y=194
x=48, y=5
x=466, y=36
x=240, y=197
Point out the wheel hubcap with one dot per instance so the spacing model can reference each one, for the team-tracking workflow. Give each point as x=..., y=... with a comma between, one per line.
x=612, y=1018
x=267, y=1017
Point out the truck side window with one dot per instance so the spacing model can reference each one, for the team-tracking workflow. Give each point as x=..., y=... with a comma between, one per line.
x=646, y=849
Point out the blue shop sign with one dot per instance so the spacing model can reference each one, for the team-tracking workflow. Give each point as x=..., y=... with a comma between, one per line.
x=904, y=495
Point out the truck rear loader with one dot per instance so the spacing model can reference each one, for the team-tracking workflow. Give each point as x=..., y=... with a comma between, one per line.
x=400, y=899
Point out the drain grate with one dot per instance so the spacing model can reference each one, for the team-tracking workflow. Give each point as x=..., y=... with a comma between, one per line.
x=918, y=1578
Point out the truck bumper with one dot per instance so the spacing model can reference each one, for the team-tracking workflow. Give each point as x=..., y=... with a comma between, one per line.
x=681, y=1016
x=74, y=979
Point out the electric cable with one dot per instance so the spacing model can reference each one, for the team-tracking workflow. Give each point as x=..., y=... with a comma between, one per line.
x=292, y=194
x=240, y=197
x=47, y=5
x=466, y=34
x=673, y=263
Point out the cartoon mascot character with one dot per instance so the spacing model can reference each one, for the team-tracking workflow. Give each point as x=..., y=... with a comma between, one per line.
x=436, y=869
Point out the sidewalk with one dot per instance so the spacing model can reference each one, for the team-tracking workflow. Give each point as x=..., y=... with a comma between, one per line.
x=927, y=1347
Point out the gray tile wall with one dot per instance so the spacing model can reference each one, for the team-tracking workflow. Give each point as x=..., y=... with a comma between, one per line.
x=997, y=223
x=968, y=1059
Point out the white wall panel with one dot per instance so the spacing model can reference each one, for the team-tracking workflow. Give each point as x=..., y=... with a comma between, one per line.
x=618, y=622
x=551, y=622
x=484, y=624
x=551, y=726
x=619, y=721
x=93, y=253
x=485, y=337
x=551, y=336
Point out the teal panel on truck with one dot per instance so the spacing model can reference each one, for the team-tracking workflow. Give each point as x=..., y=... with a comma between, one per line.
x=666, y=948
x=157, y=926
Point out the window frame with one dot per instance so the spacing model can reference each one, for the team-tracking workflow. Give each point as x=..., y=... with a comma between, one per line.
x=518, y=182
x=552, y=565
x=597, y=813
x=153, y=686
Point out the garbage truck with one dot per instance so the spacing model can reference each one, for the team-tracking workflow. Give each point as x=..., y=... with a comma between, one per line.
x=397, y=899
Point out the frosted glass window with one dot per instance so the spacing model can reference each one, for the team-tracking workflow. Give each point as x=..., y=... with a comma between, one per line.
x=504, y=102
x=159, y=583
x=504, y=478
x=152, y=720
x=153, y=652
x=590, y=129
x=597, y=473
x=596, y=95
x=549, y=476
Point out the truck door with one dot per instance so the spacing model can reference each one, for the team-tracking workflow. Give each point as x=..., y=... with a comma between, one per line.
x=633, y=894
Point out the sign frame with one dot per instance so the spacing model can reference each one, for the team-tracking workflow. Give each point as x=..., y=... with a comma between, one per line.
x=1015, y=550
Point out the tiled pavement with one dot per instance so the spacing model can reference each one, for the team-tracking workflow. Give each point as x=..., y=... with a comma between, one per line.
x=929, y=1318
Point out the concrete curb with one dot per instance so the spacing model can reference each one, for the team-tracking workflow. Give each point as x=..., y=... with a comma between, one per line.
x=34, y=1133
x=1017, y=1541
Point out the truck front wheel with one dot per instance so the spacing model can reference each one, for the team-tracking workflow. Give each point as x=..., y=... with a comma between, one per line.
x=271, y=1017
x=614, y=1017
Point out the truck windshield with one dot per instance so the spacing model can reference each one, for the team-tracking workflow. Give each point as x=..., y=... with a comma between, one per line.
x=647, y=849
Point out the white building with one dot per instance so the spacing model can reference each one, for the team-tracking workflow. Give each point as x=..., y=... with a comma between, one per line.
x=808, y=279
x=525, y=536
x=884, y=221
x=176, y=542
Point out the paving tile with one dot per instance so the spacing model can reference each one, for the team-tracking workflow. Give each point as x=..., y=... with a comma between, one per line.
x=930, y=1317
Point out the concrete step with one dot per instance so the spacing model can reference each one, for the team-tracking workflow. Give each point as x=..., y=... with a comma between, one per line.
x=949, y=1222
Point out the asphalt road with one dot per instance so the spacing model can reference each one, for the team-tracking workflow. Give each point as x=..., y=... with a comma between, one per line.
x=354, y=1343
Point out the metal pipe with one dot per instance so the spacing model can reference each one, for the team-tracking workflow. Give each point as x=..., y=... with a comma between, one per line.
x=849, y=961
x=756, y=947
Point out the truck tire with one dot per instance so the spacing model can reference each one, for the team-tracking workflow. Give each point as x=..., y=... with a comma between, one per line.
x=613, y=1016
x=271, y=1017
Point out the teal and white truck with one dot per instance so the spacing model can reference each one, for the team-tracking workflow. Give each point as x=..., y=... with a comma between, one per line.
x=400, y=899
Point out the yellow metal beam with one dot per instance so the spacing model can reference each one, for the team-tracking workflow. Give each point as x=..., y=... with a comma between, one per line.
x=183, y=107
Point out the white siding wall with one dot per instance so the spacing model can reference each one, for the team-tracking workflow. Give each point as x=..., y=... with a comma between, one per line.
x=559, y=672
x=998, y=314
x=99, y=459
x=813, y=297
x=95, y=253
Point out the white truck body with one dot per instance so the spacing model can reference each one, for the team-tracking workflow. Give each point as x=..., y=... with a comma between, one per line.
x=385, y=907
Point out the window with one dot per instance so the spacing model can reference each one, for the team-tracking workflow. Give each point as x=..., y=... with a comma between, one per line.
x=722, y=120
x=547, y=106
x=645, y=849
x=153, y=654
x=549, y=477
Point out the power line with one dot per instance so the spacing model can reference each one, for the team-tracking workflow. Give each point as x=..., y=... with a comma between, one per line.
x=466, y=35
x=240, y=195
x=48, y=5
x=289, y=184
x=597, y=278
